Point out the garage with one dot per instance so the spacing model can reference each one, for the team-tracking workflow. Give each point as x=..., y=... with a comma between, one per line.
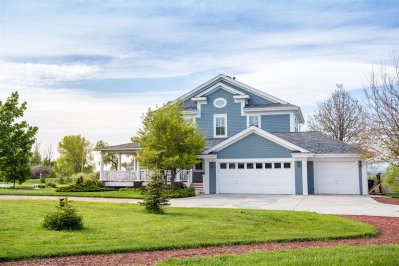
x=341, y=177
x=261, y=177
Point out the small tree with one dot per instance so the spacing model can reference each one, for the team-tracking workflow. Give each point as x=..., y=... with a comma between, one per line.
x=154, y=195
x=169, y=142
x=16, y=140
x=108, y=158
x=392, y=177
x=340, y=116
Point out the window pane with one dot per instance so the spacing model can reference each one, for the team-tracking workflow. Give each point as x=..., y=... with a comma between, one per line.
x=277, y=165
x=287, y=165
x=258, y=165
x=268, y=165
x=253, y=121
x=223, y=166
x=250, y=166
x=232, y=166
x=198, y=166
x=240, y=165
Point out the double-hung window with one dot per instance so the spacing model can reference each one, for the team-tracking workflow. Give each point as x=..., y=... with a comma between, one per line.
x=220, y=125
x=254, y=120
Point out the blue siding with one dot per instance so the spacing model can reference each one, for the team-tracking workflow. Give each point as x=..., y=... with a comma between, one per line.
x=298, y=178
x=276, y=123
x=235, y=122
x=254, y=146
x=212, y=178
x=360, y=178
x=197, y=177
x=254, y=99
x=310, y=177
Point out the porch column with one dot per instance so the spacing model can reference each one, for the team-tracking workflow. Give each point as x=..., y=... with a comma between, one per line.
x=305, y=176
x=119, y=161
x=101, y=165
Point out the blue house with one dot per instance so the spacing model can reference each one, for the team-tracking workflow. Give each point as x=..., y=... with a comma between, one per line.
x=255, y=146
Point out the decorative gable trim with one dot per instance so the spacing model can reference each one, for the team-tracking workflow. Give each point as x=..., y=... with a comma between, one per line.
x=219, y=86
x=259, y=132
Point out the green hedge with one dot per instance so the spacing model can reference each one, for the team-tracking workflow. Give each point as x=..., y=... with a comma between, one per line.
x=81, y=188
x=181, y=193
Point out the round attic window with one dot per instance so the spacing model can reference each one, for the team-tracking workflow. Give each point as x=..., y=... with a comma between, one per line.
x=220, y=102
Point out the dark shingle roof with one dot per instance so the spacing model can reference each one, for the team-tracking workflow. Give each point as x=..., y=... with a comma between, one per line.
x=212, y=142
x=317, y=142
x=121, y=147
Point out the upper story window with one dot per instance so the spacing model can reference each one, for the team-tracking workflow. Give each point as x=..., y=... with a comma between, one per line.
x=220, y=125
x=253, y=120
x=220, y=102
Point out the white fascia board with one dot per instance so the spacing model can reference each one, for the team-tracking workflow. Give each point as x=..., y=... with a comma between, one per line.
x=198, y=99
x=190, y=112
x=338, y=155
x=219, y=86
x=263, y=109
x=261, y=133
x=187, y=95
x=207, y=156
x=239, y=97
x=302, y=155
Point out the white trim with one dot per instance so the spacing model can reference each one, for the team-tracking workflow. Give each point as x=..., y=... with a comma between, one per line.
x=257, y=160
x=260, y=109
x=239, y=97
x=218, y=86
x=186, y=95
x=259, y=120
x=225, y=125
x=207, y=156
x=338, y=155
x=302, y=155
x=220, y=99
x=198, y=99
x=292, y=122
x=304, y=176
x=261, y=133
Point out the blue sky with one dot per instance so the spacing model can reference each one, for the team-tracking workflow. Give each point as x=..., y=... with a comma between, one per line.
x=93, y=67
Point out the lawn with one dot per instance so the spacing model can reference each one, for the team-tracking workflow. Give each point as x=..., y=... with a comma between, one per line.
x=385, y=255
x=393, y=195
x=113, y=227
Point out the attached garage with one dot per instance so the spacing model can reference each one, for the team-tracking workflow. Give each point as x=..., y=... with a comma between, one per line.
x=260, y=177
x=336, y=177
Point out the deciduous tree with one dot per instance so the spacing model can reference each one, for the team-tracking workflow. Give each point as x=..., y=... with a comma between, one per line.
x=16, y=140
x=169, y=141
x=108, y=158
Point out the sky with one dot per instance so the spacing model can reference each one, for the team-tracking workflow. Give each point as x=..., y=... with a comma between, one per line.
x=94, y=67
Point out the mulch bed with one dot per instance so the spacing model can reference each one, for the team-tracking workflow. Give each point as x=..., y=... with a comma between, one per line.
x=387, y=200
x=387, y=226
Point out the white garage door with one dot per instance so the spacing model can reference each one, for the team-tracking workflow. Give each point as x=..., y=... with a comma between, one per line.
x=337, y=177
x=256, y=178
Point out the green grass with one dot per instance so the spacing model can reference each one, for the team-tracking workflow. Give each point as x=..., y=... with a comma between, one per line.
x=113, y=227
x=385, y=255
x=393, y=195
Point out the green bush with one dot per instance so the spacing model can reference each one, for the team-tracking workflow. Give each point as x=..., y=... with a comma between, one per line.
x=65, y=218
x=88, y=182
x=155, y=196
x=81, y=188
x=51, y=184
x=391, y=178
x=181, y=193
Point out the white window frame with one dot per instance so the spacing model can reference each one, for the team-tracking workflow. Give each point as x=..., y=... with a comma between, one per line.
x=214, y=125
x=220, y=99
x=259, y=120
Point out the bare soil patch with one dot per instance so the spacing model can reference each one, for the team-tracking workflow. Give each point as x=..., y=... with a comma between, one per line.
x=387, y=227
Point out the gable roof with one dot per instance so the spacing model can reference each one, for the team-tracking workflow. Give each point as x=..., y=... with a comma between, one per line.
x=317, y=142
x=255, y=130
x=235, y=82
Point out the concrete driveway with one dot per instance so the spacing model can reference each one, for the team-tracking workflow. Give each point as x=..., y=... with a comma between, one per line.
x=328, y=204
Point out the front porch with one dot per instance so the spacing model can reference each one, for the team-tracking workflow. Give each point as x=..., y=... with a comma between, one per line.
x=133, y=175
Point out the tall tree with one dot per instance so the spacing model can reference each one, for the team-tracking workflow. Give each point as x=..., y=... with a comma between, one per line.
x=36, y=158
x=169, y=142
x=16, y=140
x=340, y=116
x=111, y=159
x=75, y=155
x=47, y=157
x=382, y=93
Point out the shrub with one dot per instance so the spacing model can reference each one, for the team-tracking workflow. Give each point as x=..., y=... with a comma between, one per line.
x=41, y=186
x=155, y=196
x=181, y=193
x=44, y=170
x=81, y=188
x=88, y=182
x=65, y=218
x=51, y=184
x=391, y=179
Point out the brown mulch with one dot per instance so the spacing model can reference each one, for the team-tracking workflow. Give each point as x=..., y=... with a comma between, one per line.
x=387, y=200
x=387, y=226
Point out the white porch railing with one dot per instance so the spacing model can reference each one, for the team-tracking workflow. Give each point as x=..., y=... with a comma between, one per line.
x=184, y=175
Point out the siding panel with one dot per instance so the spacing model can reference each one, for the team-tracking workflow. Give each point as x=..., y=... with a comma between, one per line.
x=298, y=178
x=212, y=178
x=276, y=123
x=310, y=166
x=254, y=146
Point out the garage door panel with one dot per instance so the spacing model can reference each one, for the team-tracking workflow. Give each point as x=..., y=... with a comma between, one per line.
x=337, y=178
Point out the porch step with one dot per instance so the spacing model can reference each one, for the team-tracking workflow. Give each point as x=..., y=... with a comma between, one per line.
x=198, y=187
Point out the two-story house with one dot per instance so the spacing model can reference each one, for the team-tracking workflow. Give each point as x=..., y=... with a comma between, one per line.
x=255, y=146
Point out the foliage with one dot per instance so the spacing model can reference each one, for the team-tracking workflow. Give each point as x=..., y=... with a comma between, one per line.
x=36, y=158
x=340, y=116
x=88, y=182
x=382, y=94
x=381, y=255
x=45, y=171
x=168, y=141
x=16, y=140
x=392, y=177
x=82, y=188
x=65, y=218
x=181, y=193
x=108, y=158
x=155, y=196
x=75, y=155
x=115, y=227
x=51, y=184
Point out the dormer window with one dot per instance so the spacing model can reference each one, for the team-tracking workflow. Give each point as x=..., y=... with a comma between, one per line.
x=220, y=125
x=253, y=120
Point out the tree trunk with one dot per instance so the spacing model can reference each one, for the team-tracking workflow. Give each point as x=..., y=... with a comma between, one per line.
x=172, y=178
x=14, y=181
